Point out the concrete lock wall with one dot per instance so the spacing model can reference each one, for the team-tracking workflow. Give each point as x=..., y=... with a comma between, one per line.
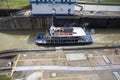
x=44, y=22
x=26, y=23
x=104, y=22
x=93, y=22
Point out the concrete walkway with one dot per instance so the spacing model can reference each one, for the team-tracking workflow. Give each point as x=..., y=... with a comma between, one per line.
x=65, y=68
x=98, y=7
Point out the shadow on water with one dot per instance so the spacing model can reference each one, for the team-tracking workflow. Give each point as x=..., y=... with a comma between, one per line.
x=63, y=45
x=20, y=32
x=108, y=31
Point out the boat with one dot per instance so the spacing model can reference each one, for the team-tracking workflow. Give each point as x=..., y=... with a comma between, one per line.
x=64, y=36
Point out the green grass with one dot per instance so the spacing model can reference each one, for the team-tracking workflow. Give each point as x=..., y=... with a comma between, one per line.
x=21, y=3
x=14, y=3
x=4, y=77
x=111, y=1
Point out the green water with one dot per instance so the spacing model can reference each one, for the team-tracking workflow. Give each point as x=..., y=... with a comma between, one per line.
x=14, y=39
x=106, y=37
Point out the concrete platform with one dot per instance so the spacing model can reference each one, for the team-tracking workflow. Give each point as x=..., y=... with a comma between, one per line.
x=76, y=56
x=55, y=66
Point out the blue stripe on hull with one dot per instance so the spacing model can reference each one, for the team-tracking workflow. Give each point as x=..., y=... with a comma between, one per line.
x=81, y=43
x=55, y=43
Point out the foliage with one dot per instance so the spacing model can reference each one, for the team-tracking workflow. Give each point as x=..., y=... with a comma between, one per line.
x=4, y=77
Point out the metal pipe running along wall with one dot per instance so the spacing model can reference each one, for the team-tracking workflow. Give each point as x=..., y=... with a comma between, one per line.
x=16, y=51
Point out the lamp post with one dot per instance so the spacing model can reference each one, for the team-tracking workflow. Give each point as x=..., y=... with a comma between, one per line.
x=53, y=12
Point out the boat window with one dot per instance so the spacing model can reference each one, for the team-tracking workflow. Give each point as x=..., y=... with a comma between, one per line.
x=55, y=40
x=39, y=37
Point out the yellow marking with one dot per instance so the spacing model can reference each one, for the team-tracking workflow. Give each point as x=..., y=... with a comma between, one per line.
x=60, y=59
x=93, y=68
x=106, y=49
x=41, y=75
x=94, y=56
x=15, y=64
x=113, y=55
x=17, y=60
x=62, y=78
x=25, y=55
x=44, y=59
x=101, y=56
x=54, y=74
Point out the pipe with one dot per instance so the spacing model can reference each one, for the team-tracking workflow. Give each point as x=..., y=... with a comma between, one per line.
x=80, y=6
x=16, y=51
